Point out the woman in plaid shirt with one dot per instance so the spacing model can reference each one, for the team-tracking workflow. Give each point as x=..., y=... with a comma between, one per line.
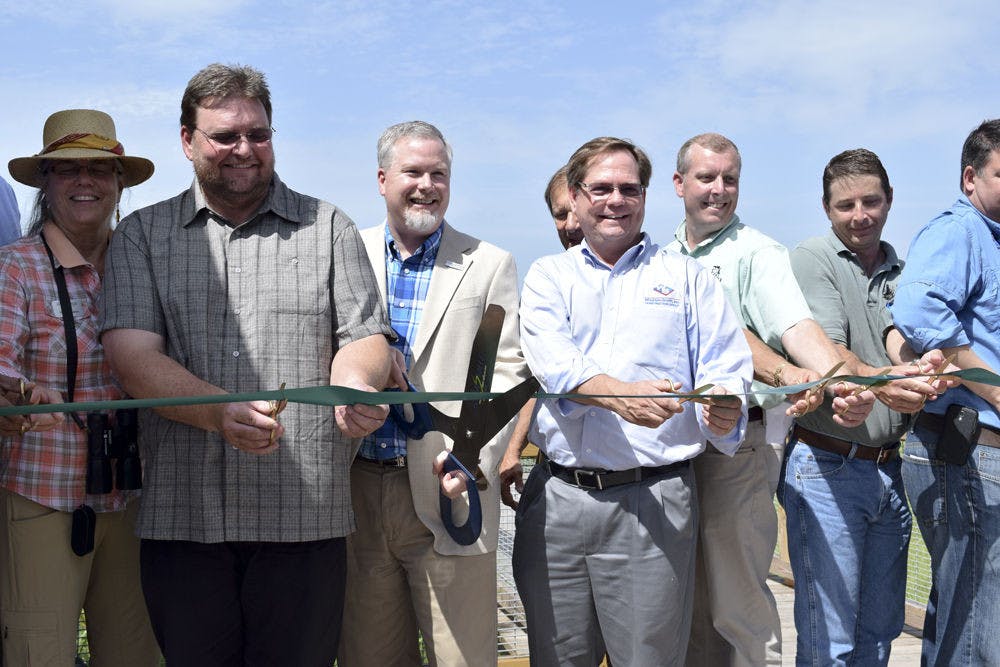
x=50, y=282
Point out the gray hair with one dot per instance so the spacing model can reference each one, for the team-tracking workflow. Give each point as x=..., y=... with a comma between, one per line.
x=218, y=82
x=412, y=128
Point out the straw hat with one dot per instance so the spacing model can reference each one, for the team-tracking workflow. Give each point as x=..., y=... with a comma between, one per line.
x=79, y=134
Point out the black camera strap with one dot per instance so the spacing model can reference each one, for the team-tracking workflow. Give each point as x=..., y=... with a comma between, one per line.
x=69, y=324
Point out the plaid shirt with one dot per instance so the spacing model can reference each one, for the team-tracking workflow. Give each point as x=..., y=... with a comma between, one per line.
x=244, y=309
x=406, y=284
x=50, y=467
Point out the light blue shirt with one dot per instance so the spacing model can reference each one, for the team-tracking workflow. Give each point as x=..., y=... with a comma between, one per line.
x=949, y=295
x=654, y=315
x=10, y=216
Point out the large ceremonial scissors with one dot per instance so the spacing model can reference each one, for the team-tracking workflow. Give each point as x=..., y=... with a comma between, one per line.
x=477, y=424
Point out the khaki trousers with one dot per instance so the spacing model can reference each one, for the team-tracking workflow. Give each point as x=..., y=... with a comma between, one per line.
x=397, y=584
x=735, y=621
x=44, y=585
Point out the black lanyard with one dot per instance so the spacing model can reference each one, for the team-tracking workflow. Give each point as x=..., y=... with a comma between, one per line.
x=69, y=324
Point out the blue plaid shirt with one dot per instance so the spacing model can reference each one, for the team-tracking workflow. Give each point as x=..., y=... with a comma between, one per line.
x=406, y=283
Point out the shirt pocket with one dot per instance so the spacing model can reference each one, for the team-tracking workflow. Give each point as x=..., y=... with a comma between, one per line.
x=54, y=329
x=299, y=281
x=650, y=340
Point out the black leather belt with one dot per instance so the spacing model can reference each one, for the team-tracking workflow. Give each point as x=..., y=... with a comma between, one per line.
x=828, y=443
x=987, y=435
x=588, y=478
x=755, y=414
x=393, y=462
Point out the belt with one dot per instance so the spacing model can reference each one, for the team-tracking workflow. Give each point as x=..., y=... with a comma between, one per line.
x=755, y=414
x=392, y=462
x=987, y=435
x=587, y=478
x=828, y=443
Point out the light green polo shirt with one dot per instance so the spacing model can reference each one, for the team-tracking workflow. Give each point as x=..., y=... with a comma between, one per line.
x=851, y=308
x=757, y=278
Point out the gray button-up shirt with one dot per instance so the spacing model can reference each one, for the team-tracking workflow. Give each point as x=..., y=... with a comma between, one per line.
x=246, y=309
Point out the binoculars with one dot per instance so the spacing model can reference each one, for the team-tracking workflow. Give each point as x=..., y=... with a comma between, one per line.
x=117, y=441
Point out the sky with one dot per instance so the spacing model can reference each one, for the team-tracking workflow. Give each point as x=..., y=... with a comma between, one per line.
x=516, y=87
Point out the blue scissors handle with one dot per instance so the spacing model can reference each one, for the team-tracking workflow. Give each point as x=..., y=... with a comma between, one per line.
x=468, y=532
x=422, y=422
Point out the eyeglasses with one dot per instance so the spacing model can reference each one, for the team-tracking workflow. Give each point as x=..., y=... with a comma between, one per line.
x=258, y=135
x=102, y=169
x=602, y=191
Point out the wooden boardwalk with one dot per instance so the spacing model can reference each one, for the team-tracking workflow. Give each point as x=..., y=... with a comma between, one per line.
x=905, y=650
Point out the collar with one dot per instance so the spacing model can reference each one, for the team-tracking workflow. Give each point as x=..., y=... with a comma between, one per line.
x=425, y=254
x=992, y=225
x=631, y=258
x=63, y=250
x=279, y=200
x=891, y=258
x=680, y=234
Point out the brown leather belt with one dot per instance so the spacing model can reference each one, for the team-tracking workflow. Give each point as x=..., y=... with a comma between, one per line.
x=828, y=443
x=986, y=436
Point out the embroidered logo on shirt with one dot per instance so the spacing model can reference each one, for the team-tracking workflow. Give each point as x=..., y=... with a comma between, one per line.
x=717, y=272
x=662, y=296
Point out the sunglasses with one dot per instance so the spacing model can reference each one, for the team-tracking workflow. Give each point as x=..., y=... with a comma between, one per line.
x=258, y=135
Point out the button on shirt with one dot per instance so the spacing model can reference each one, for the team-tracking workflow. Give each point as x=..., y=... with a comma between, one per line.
x=949, y=295
x=406, y=284
x=654, y=315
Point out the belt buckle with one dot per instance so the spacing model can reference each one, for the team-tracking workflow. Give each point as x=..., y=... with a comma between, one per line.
x=884, y=455
x=397, y=461
x=593, y=473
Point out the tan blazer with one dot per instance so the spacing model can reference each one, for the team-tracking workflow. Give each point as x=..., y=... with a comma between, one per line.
x=468, y=275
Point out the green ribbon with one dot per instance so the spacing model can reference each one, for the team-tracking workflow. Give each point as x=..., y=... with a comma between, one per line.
x=334, y=395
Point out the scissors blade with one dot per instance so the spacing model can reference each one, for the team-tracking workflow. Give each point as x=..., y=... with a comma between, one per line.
x=491, y=417
x=466, y=431
x=825, y=379
x=700, y=390
x=483, y=358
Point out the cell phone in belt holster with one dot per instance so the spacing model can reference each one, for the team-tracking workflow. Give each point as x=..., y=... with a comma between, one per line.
x=959, y=434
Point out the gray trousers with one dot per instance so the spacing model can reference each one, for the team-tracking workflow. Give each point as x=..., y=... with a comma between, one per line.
x=607, y=570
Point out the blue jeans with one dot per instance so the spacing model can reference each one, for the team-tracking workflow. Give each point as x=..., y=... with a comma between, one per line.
x=848, y=534
x=958, y=511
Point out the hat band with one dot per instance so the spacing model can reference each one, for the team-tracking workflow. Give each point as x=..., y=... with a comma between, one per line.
x=85, y=140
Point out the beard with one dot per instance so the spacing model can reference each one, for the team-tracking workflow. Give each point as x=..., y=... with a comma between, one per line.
x=421, y=222
x=234, y=193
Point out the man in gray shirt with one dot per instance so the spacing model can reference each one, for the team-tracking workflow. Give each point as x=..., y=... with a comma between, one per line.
x=848, y=521
x=239, y=284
